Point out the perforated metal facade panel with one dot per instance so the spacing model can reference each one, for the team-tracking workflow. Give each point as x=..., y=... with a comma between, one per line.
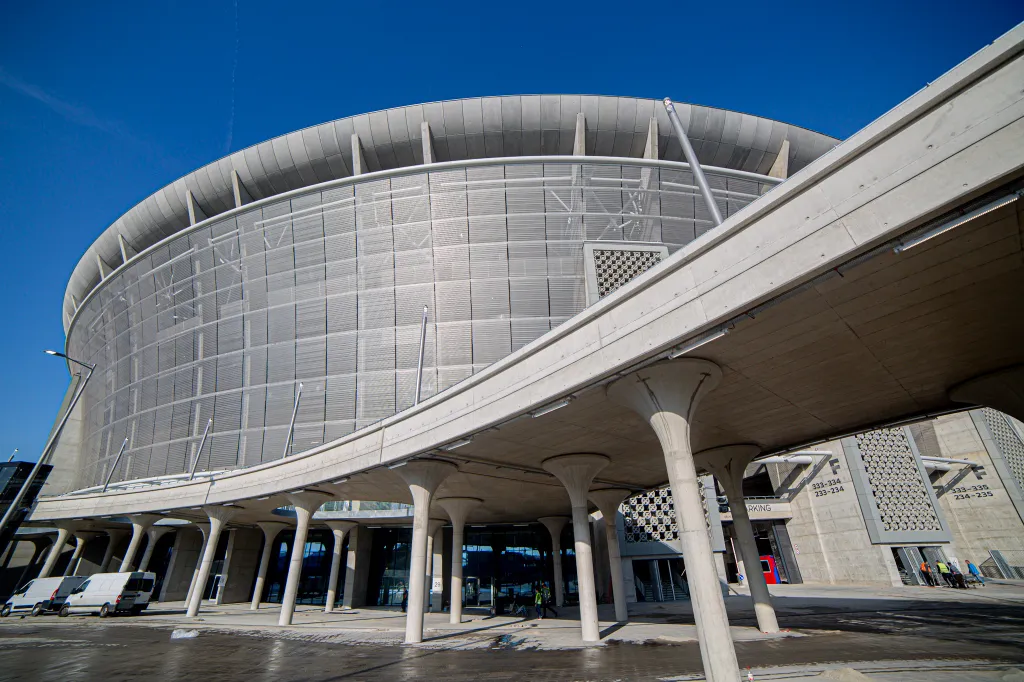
x=327, y=289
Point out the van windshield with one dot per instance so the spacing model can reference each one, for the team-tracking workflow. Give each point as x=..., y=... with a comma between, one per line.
x=80, y=588
x=24, y=589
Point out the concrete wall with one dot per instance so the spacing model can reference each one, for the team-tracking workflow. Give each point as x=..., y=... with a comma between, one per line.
x=977, y=508
x=245, y=561
x=357, y=568
x=187, y=548
x=829, y=535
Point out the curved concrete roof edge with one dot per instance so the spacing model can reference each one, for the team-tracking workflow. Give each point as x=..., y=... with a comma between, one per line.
x=462, y=129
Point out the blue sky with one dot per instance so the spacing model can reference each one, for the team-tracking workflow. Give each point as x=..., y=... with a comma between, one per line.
x=103, y=103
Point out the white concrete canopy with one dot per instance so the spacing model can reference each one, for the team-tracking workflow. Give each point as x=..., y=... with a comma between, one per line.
x=1002, y=390
x=727, y=464
x=458, y=509
x=576, y=472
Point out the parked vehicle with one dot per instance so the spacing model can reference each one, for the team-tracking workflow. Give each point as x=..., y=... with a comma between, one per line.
x=111, y=593
x=41, y=595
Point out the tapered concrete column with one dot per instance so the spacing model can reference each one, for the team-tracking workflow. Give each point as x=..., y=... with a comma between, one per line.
x=608, y=501
x=306, y=504
x=555, y=524
x=154, y=533
x=218, y=517
x=576, y=472
x=40, y=546
x=428, y=577
x=270, y=530
x=727, y=464
x=667, y=394
x=423, y=477
x=114, y=538
x=58, y=546
x=140, y=524
x=81, y=538
x=458, y=509
x=204, y=530
x=339, y=528
x=1001, y=390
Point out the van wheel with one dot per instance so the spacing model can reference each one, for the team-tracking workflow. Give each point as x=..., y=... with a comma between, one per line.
x=37, y=610
x=5, y=611
x=64, y=611
x=104, y=610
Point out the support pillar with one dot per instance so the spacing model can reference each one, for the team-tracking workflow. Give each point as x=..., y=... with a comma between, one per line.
x=140, y=525
x=339, y=529
x=555, y=524
x=423, y=478
x=667, y=394
x=218, y=517
x=270, y=530
x=154, y=533
x=204, y=530
x=306, y=504
x=458, y=509
x=40, y=546
x=608, y=501
x=114, y=538
x=576, y=472
x=80, y=539
x=58, y=547
x=727, y=464
x=428, y=578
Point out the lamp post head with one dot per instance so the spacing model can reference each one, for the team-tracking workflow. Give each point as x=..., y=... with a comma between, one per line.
x=53, y=352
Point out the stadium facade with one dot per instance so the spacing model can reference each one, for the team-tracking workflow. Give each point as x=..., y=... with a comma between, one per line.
x=268, y=329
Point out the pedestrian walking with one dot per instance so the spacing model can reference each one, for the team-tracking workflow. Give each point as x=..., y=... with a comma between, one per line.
x=926, y=573
x=405, y=598
x=975, y=573
x=546, y=591
x=538, y=602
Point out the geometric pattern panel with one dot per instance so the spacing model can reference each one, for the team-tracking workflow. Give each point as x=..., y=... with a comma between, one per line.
x=899, y=492
x=616, y=268
x=651, y=516
x=1008, y=441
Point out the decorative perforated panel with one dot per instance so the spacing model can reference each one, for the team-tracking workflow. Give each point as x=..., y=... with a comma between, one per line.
x=615, y=268
x=900, y=494
x=651, y=516
x=1008, y=441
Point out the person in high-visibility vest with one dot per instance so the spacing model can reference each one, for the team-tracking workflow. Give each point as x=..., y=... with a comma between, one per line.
x=944, y=572
x=926, y=573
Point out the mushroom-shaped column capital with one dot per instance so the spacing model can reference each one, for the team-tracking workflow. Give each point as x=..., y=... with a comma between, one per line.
x=458, y=508
x=307, y=501
x=727, y=463
x=608, y=501
x=342, y=527
x=576, y=472
x=423, y=476
x=555, y=524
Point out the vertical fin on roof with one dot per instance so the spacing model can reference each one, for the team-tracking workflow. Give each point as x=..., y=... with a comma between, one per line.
x=780, y=169
x=651, y=148
x=103, y=267
x=127, y=250
x=579, y=145
x=358, y=164
x=241, y=194
x=195, y=213
x=428, y=142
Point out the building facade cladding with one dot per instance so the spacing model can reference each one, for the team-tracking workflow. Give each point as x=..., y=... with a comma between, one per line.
x=327, y=288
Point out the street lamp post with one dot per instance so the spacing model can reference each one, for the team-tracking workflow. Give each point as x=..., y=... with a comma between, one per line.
x=48, y=449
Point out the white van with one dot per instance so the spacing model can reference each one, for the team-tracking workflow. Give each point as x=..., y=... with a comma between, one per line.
x=41, y=595
x=110, y=593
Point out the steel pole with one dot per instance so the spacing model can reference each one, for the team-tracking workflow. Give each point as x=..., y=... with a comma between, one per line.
x=291, y=425
x=47, y=450
x=419, y=365
x=691, y=158
x=199, y=454
x=11, y=458
x=114, y=465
